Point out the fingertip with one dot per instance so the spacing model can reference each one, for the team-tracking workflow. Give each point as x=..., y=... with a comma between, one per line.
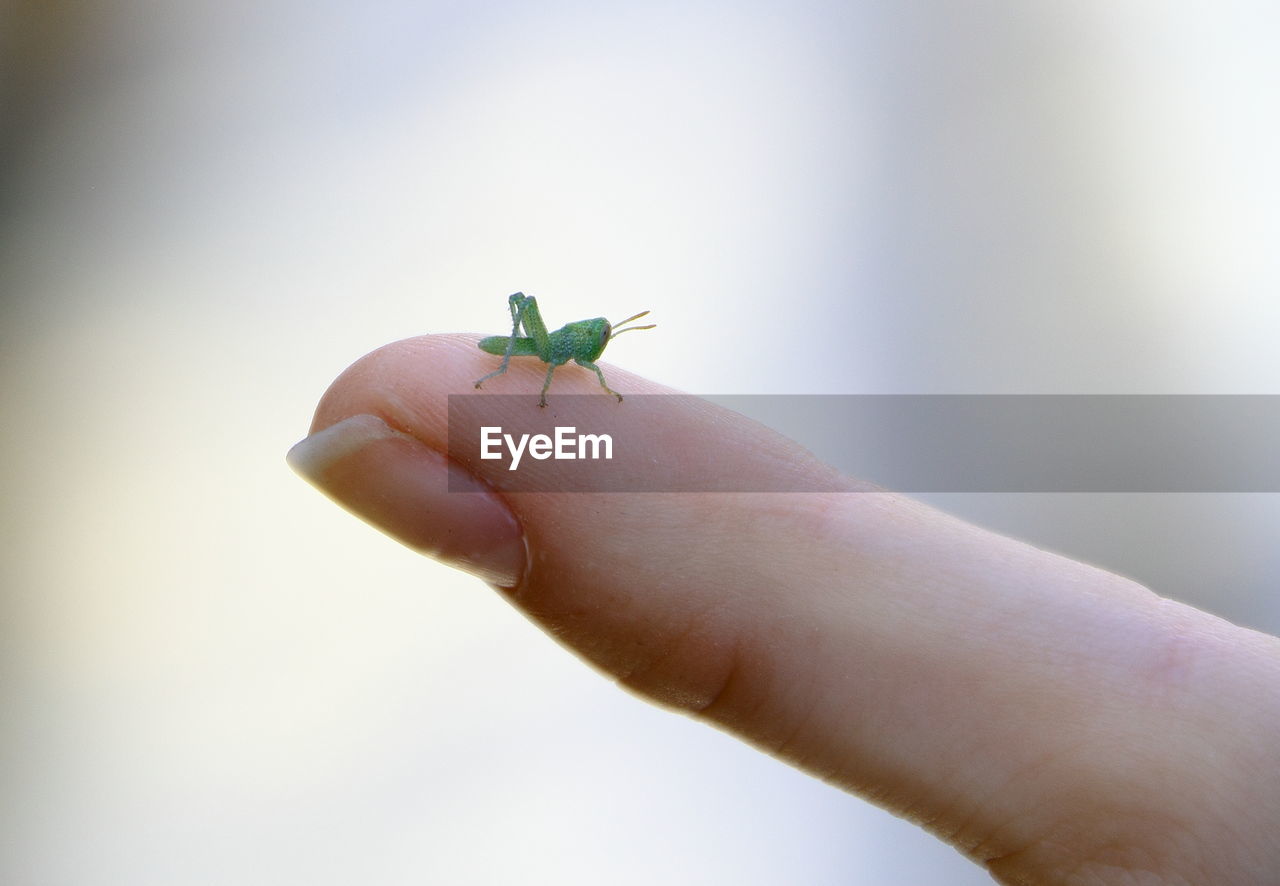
x=415, y=495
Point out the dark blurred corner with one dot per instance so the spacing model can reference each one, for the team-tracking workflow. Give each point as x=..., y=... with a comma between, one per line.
x=45, y=53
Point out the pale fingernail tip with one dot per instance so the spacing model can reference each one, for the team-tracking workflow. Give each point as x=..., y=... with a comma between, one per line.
x=501, y=565
x=310, y=456
x=416, y=495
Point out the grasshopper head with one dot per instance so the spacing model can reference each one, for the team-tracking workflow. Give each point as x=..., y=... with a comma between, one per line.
x=593, y=335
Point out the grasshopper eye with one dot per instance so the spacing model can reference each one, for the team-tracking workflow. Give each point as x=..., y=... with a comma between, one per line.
x=606, y=333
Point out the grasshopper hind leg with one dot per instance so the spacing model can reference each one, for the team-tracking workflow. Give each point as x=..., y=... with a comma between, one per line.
x=516, y=303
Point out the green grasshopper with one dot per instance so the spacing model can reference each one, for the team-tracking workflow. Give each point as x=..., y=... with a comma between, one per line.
x=582, y=342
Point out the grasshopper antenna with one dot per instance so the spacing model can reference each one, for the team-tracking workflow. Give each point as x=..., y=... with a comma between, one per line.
x=617, y=330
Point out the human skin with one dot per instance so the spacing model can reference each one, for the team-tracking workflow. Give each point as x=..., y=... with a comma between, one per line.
x=1055, y=722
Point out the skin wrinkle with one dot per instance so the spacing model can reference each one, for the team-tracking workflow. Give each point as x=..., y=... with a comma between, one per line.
x=639, y=676
x=947, y=820
x=722, y=690
x=760, y=703
x=702, y=623
x=1074, y=852
x=802, y=721
x=990, y=847
x=1094, y=763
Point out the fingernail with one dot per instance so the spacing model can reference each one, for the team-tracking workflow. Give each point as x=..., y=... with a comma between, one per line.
x=414, y=494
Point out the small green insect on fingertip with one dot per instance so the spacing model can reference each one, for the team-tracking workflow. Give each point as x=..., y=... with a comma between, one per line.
x=582, y=342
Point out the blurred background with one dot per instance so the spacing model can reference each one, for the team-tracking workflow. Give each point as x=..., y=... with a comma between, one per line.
x=208, y=209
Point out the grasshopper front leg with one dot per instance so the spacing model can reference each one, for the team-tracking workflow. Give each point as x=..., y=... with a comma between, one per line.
x=594, y=368
x=542, y=401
